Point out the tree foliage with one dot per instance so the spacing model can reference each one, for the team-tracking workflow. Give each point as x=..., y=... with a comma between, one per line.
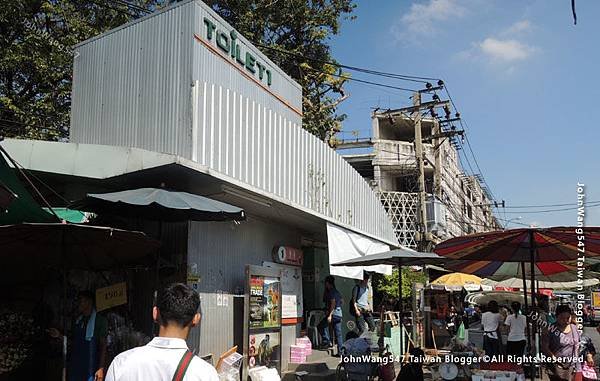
x=388, y=284
x=36, y=59
x=36, y=55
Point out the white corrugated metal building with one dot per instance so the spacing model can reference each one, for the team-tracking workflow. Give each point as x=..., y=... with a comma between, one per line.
x=179, y=99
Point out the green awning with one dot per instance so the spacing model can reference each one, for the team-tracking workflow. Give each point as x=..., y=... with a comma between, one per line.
x=23, y=208
x=73, y=216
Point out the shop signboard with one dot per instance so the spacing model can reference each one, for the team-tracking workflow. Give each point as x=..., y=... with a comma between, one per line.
x=596, y=299
x=262, y=325
x=111, y=296
x=288, y=255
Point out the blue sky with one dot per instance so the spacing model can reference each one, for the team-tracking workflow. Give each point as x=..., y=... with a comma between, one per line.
x=524, y=78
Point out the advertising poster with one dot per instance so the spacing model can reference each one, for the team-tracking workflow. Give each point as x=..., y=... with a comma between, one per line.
x=265, y=303
x=291, y=290
x=264, y=350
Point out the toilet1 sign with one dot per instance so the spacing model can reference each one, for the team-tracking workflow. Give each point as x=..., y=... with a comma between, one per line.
x=288, y=255
x=228, y=43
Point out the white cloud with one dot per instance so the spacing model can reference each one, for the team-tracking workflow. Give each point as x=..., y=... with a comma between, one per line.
x=502, y=51
x=423, y=18
x=505, y=51
x=518, y=28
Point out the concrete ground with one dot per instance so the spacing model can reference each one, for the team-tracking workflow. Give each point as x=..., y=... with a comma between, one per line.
x=321, y=365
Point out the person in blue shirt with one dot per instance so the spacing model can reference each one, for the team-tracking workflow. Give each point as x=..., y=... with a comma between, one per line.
x=360, y=307
x=333, y=305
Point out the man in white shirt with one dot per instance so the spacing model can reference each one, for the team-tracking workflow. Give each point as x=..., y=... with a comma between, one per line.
x=167, y=356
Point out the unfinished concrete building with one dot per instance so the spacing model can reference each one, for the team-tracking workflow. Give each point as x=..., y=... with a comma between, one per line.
x=457, y=204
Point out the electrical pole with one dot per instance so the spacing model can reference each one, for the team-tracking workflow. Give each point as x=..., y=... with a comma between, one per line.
x=416, y=117
x=438, y=135
x=437, y=175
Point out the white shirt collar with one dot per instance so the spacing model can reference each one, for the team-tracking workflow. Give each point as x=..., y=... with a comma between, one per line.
x=168, y=342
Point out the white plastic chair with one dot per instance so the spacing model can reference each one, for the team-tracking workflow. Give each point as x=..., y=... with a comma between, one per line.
x=313, y=320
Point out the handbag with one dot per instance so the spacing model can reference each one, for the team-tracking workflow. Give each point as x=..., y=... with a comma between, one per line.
x=589, y=372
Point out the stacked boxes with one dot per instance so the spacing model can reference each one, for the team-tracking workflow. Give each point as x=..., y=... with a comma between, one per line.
x=297, y=354
x=301, y=350
x=305, y=341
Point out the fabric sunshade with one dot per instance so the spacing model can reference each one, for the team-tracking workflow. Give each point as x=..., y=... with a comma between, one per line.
x=345, y=245
x=159, y=204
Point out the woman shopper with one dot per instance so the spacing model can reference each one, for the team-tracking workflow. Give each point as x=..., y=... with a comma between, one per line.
x=561, y=343
x=490, y=321
x=517, y=323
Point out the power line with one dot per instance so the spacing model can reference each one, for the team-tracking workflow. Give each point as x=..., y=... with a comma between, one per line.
x=551, y=210
x=550, y=205
x=403, y=77
x=364, y=81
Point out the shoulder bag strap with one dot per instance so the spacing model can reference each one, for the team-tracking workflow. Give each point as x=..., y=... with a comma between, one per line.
x=184, y=363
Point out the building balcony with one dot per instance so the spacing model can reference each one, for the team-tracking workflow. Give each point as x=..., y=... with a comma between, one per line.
x=399, y=153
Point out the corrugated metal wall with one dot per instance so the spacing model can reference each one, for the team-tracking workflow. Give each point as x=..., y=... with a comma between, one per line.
x=131, y=85
x=221, y=250
x=159, y=84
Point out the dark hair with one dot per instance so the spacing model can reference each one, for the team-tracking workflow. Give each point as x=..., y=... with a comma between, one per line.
x=330, y=279
x=89, y=295
x=562, y=308
x=351, y=335
x=177, y=303
x=516, y=306
x=493, y=306
x=366, y=275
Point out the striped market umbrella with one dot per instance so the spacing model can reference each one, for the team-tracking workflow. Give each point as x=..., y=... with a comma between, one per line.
x=518, y=245
x=508, y=252
x=516, y=252
x=498, y=270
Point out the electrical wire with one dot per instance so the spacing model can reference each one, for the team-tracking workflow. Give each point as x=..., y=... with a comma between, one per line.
x=552, y=210
x=363, y=81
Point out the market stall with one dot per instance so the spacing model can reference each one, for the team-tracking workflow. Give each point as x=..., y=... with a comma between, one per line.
x=45, y=266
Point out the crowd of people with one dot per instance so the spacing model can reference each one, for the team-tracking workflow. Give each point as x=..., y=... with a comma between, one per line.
x=558, y=331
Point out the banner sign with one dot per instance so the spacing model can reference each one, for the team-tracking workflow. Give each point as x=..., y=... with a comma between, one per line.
x=111, y=296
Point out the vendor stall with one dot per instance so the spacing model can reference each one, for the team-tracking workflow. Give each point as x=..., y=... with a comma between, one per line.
x=45, y=267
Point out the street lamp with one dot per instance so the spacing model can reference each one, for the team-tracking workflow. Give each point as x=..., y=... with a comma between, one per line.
x=511, y=220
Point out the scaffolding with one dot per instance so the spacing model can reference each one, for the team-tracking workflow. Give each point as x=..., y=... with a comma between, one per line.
x=402, y=208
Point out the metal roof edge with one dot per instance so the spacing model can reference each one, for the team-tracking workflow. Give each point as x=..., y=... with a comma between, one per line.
x=33, y=155
x=133, y=22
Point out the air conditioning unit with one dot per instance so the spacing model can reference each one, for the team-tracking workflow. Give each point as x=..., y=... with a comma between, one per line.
x=436, y=216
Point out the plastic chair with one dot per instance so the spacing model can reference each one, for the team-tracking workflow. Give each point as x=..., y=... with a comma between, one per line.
x=313, y=320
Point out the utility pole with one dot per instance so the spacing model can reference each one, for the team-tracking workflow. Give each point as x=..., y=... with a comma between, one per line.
x=416, y=117
x=437, y=136
x=437, y=174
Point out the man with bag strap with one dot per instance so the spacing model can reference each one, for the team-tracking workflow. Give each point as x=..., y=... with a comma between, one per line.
x=167, y=357
x=359, y=305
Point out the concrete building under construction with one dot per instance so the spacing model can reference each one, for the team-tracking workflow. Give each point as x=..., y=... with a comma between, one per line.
x=456, y=203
